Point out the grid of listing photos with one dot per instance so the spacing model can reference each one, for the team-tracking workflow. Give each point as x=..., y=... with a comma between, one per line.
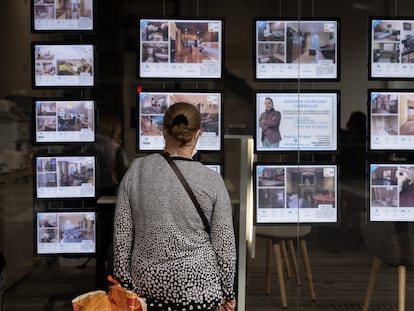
x=57, y=15
x=295, y=193
x=60, y=121
x=66, y=232
x=64, y=184
x=153, y=104
x=180, y=48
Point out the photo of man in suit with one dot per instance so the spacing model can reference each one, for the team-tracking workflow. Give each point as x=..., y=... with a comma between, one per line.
x=269, y=122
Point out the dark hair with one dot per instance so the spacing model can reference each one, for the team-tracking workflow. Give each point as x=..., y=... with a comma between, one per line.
x=182, y=120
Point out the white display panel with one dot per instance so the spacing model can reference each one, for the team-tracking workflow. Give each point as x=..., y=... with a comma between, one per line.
x=63, y=65
x=295, y=194
x=215, y=167
x=65, y=232
x=292, y=49
x=152, y=106
x=180, y=48
x=303, y=121
x=391, y=48
x=64, y=177
x=391, y=192
x=57, y=15
x=64, y=121
x=391, y=119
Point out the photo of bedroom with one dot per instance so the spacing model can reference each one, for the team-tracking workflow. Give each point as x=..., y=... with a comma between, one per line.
x=386, y=30
x=406, y=114
x=309, y=43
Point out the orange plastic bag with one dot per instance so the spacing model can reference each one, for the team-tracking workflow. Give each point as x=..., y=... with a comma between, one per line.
x=118, y=299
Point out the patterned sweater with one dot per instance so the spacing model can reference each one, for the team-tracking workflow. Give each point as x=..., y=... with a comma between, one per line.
x=160, y=246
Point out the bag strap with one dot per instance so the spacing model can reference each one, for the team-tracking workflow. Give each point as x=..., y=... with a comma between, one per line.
x=180, y=176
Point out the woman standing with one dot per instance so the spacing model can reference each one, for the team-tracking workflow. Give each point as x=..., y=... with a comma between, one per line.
x=161, y=247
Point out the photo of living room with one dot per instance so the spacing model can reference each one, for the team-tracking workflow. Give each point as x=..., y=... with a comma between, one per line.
x=75, y=171
x=194, y=42
x=75, y=116
x=309, y=43
x=154, y=104
x=310, y=187
x=209, y=110
x=407, y=114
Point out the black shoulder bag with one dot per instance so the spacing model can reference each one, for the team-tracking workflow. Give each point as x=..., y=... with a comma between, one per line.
x=188, y=189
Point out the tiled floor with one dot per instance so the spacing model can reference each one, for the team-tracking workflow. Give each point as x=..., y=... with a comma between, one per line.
x=340, y=278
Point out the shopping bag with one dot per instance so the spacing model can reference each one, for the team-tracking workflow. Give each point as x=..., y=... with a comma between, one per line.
x=117, y=299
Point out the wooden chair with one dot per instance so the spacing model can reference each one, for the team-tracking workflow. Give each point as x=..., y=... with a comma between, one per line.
x=392, y=244
x=276, y=237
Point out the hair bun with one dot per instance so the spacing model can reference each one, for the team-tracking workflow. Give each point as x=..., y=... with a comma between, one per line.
x=180, y=119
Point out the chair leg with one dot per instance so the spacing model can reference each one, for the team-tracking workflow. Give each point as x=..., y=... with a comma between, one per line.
x=268, y=266
x=308, y=271
x=294, y=261
x=376, y=263
x=402, y=274
x=281, y=279
x=286, y=259
x=248, y=266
